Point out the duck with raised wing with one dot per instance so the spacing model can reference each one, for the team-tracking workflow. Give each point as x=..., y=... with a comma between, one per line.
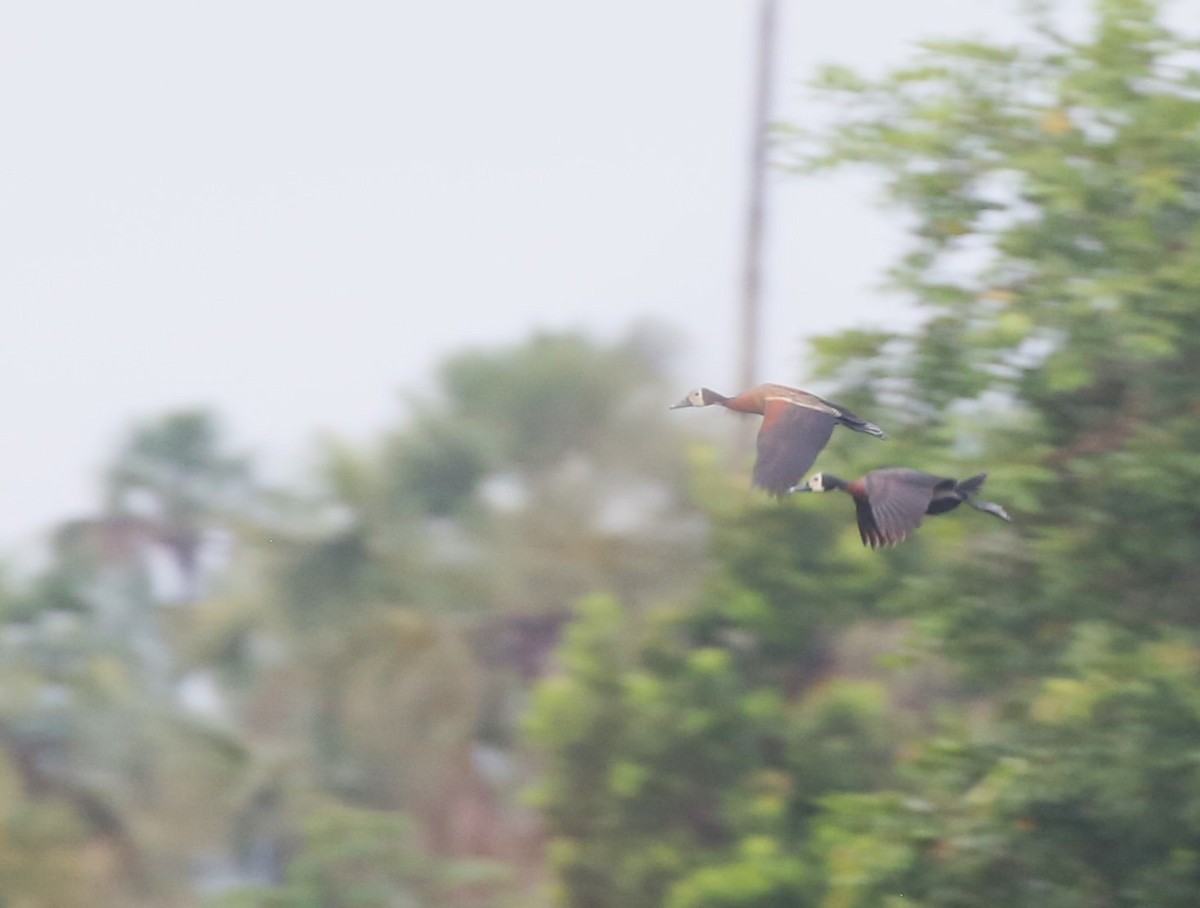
x=891, y=502
x=796, y=426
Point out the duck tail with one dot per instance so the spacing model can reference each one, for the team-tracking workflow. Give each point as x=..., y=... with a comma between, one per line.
x=969, y=487
x=850, y=421
x=990, y=507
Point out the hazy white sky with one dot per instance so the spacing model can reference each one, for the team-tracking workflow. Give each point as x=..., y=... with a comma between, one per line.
x=290, y=211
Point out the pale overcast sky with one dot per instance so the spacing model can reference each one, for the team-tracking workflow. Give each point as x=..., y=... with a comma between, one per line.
x=290, y=211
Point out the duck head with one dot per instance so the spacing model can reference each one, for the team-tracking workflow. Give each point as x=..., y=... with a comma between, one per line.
x=701, y=397
x=820, y=482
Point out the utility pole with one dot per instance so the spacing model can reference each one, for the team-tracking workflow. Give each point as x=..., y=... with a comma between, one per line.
x=756, y=206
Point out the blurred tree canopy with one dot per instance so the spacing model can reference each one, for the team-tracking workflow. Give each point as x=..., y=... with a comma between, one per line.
x=173, y=473
x=988, y=715
x=530, y=647
x=226, y=693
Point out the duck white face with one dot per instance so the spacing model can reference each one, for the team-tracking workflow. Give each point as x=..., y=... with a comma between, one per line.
x=815, y=484
x=696, y=398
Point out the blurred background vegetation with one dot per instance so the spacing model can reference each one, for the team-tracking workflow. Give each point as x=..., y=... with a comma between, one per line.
x=540, y=645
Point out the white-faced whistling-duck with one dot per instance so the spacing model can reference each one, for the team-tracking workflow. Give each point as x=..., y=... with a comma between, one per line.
x=796, y=426
x=891, y=502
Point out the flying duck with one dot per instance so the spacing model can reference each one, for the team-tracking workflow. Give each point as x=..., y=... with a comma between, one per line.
x=796, y=426
x=891, y=502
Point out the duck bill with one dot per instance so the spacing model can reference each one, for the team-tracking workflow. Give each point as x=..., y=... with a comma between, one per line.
x=679, y=406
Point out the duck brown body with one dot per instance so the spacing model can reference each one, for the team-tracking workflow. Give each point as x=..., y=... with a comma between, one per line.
x=796, y=427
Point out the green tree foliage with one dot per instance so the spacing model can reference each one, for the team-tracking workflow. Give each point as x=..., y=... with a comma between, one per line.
x=1054, y=192
x=559, y=473
x=632, y=804
x=558, y=397
x=1084, y=794
x=1055, y=196
x=76, y=753
x=355, y=858
x=986, y=716
x=184, y=477
x=675, y=771
x=1048, y=760
x=355, y=668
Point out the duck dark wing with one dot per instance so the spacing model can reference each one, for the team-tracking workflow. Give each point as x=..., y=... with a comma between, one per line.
x=896, y=502
x=789, y=441
x=868, y=530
